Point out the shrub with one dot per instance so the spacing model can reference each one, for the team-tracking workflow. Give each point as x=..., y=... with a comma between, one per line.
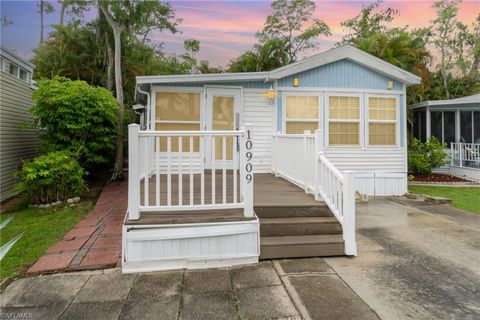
x=51, y=177
x=425, y=156
x=78, y=117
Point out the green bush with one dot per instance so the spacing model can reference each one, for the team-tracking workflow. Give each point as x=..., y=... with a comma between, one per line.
x=425, y=156
x=51, y=177
x=78, y=117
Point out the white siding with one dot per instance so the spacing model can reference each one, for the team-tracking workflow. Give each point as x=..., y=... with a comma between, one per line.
x=466, y=172
x=193, y=246
x=16, y=144
x=260, y=113
x=380, y=172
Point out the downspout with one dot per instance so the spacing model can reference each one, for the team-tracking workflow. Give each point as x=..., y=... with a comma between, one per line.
x=149, y=109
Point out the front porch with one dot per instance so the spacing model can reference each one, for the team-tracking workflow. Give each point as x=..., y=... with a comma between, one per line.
x=187, y=213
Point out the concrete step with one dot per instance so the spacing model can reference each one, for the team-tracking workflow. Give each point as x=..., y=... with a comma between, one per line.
x=274, y=227
x=320, y=210
x=301, y=246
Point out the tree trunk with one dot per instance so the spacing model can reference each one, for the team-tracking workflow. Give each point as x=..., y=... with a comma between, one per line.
x=41, y=21
x=110, y=62
x=117, y=37
x=118, y=166
x=62, y=13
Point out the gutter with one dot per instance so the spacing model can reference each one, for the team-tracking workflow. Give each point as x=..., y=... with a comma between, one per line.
x=147, y=106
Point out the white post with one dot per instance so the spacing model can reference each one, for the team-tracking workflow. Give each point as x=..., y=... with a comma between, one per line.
x=133, y=172
x=452, y=150
x=246, y=154
x=349, y=213
x=305, y=160
x=318, y=150
x=460, y=149
x=275, y=153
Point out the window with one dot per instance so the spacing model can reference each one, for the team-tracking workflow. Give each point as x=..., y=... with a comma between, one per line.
x=420, y=125
x=344, y=121
x=302, y=113
x=470, y=126
x=177, y=111
x=23, y=75
x=382, y=121
x=443, y=126
x=13, y=70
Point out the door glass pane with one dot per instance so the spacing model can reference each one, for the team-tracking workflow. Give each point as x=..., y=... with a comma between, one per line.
x=449, y=127
x=476, y=126
x=223, y=111
x=466, y=126
x=436, y=124
x=302, y=107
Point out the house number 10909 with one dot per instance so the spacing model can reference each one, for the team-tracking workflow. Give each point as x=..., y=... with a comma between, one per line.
x=249, y=155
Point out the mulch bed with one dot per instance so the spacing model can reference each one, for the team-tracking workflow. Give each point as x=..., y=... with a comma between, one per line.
x=440, y=178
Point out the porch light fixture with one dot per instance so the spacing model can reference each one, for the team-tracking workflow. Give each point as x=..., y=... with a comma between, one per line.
x=296, y=82
x=270, y=94
x=389, y=84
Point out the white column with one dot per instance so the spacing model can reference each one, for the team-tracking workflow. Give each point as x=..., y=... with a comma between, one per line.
x=349, y=213
x=428, y=124
x=305, y=159
x=133, y=173
x=318, y=150
x=246, y=154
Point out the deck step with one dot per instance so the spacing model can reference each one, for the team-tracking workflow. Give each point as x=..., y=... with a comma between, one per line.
x=301, y=246
x=271, y=227
x=320, y=210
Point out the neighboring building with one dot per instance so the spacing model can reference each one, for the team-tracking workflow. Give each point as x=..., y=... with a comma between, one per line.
x=455, y=122
x=201, y=188
x=16, y=143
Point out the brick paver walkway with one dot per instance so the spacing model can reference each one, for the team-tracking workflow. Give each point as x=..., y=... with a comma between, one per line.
x=95, y=242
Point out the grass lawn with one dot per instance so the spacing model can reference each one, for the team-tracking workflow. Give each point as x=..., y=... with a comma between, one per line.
x=466, y=198
x=43, y=228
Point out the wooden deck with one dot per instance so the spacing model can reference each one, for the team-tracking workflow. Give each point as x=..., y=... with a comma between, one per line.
x=270, y=193
x=292, y=223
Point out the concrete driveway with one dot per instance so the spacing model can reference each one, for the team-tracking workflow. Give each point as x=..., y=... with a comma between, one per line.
x=415, y=260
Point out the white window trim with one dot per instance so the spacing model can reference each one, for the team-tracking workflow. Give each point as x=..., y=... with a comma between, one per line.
x=359, y=120
x=318, y=120
x=396, y=122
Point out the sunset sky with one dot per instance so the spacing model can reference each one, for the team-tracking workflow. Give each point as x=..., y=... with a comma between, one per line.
x=224, y=28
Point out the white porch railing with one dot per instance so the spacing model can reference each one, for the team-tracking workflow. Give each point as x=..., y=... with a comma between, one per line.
x=157, y=158
x=465, y=154
x=300, y=159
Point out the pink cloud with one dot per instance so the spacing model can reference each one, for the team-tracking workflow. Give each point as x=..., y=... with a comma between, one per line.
x=226, y=29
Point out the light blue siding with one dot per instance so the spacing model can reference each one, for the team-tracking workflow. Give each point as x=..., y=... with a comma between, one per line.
x=340, y=74
x=244, y=84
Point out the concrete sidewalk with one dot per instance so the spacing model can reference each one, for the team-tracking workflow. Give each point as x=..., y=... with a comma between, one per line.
x=284, y=289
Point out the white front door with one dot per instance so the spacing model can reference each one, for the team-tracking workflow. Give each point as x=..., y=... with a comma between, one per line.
x=222, y=113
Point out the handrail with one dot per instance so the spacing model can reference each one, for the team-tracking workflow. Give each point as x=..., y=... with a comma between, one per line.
x=465, y=154
x=160, y=156
x=294, y=158
x=334, y=169
x=150, y=133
